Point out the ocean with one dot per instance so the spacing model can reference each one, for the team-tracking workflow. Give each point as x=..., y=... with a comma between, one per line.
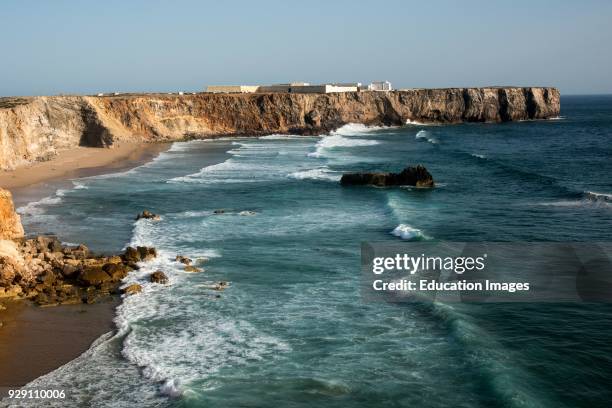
x=292, y=330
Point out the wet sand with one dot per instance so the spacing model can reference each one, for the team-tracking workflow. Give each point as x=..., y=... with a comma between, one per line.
x=36, y=340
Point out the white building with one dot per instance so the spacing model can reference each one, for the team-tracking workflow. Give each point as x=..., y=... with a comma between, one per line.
x=293, y=87
x=380, y=86
x=232, y=88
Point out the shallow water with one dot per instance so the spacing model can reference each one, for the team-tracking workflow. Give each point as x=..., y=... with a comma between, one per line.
x=292, y=330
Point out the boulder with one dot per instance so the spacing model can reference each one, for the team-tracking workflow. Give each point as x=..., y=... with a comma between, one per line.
x=158, y=277
x=190, y=268
x=69, y=270
x=115, y=259
x=131, y=254
x=116, y=271
x=411, y=176
x=146, y=253
x=94, y=276
x=183, y=259
x=55, y=246
x=132, y=289
x=148, y=215
x=10, y=222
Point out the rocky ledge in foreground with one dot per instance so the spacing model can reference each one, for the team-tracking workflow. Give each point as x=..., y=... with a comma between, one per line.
x=411, y=176
x=49, y=273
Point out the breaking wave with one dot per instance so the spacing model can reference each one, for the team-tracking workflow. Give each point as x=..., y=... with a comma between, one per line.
x=353, y=129
x=407, y=232
x=587, y=199
x=337, y=141
x=320, y=173
x=424, y=134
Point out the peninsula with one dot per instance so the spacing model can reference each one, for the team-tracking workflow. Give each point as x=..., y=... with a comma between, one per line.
x=34, y=129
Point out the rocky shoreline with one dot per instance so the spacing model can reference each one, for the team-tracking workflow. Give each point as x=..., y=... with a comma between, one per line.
x=48, y=273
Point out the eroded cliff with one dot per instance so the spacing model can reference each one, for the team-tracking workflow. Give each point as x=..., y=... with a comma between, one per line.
x=37, y=128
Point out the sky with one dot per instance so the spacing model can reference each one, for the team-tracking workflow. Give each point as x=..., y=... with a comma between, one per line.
x=86, y=47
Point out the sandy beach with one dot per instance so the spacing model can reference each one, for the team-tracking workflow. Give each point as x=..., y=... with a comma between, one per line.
x=81, y=162
x=36, y=340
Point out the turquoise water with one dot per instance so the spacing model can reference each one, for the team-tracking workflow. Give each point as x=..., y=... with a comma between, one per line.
x=291, y=330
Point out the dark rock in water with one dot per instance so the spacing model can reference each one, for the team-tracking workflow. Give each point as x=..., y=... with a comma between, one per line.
x=146, y=253
x=146, y=214
x=141, y=253
x=411, y=176
x=159, y=277
x=132, y=289
x=219, y=211
x=190, y=268
x=183, y=259
x=131, y=255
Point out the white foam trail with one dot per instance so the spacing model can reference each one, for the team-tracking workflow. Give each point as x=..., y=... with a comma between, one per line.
x=283, y=137
x=320, y=173
x=590, y=199
x=480, y=156
x=407, y=232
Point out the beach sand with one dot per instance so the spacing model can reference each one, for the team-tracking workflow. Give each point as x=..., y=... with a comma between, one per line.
x=34, y=340
x=37, y=340
x=81, y=162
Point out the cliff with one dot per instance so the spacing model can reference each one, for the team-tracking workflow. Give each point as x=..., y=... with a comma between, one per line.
x=37, y=128
x=10, y=222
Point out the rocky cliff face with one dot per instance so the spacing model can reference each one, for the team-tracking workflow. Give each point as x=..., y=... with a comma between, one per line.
x=36, y=128
x=10, y=222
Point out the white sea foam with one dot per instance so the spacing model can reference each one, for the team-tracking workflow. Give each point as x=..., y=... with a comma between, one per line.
x=589, y=199
x=320, y=173
x=195, y=340
x=424, y=134
x=37, y=207
x=417, y=123
x=282, y=137
x=79, y=185
x=354, y=129
x=594, y=196
x=407, y=232
x=335, y=141
x=252, y=161
x=480, y=156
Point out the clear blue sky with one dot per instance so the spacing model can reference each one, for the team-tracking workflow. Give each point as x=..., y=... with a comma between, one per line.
x=51, y=47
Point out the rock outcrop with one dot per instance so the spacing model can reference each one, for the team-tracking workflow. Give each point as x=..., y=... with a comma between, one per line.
x=148, y=215
x=49, y=273
x=10, y=222
x=37, y=128
x=411, y=176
